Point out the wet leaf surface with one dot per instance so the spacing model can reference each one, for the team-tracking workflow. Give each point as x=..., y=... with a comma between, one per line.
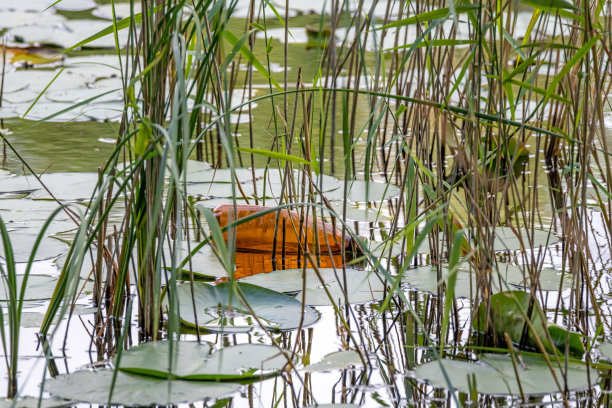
x=340, y=360
x=361, y=286
x=494, y=374
x=194, y=361
x=509, y=312
x=94, y=387
x=219, y=310
x=22, y=244
x=425, y=279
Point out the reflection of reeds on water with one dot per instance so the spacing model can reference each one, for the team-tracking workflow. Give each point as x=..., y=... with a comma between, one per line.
x=252, y=263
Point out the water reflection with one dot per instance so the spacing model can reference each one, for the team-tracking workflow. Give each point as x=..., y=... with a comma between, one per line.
x=251, y=263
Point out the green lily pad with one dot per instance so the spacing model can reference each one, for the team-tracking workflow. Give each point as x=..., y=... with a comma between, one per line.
x=214, y=202
x=94, y=387
x=22, y=243
x=507, y=240
x=360, y=213
x=219, y=310
x=339, y=360
x=64, y=186
x=218, y=176
x=361, y=286
x=34, y=319
x=382, y=249
x=38, y=287
x=194, y=361
x=359, y=191
x=495, y=375
x=122, y=10
x=507, y=317
x=204, y=264
x=424, y=279
x=218, y=190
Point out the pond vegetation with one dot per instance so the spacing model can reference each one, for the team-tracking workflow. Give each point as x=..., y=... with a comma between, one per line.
x=291, y=203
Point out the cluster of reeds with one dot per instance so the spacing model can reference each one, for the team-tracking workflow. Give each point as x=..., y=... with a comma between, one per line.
x=480, y=122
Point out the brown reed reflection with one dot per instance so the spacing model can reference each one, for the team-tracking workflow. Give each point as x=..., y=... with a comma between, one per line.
x=252, y=263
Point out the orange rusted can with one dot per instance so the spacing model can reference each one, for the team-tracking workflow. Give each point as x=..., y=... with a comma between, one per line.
x=258, y=234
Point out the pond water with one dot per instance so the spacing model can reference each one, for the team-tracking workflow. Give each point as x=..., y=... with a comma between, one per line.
x=67, y=146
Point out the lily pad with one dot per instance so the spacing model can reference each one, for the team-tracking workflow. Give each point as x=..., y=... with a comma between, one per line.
x=606, y=350
x=425, y=279
x=214, y=202
x=194, y=361
x=339, y=360
x=219, y=310
x=218, y=175
x=34, y=402
x=194, y=166
x=361, y=286
x=359, y=191
x=122, y=10
x=507, y=240
x=382, y=249
x=64, y=186
x=16, y=18
x=94, y=387
x=507, y=316
x=22, y=243
x=68, y=34
x=38, y=287
x=34, y=319
x=495, y=375
x=359, y=213
x=218, y=190
x=204, y=264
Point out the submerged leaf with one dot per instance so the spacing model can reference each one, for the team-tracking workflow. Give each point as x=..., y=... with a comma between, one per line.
x=94, y=387
x=495, y=375
x=218, y=309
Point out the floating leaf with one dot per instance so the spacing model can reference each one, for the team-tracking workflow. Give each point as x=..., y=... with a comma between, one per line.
x=218, y=308
x=22, y=243
x=194, y=361
x=122, y=10
x=383, y=248
x=34, y=319
x=495, y=375
x=506, y=239
x=218, y=175
x=425, y=279
x=339, y=360
x=64, y=186
x=94, y=387
x=359, y=191
x=38, y=287
x=606, y=350
x=361, y=286
x=360, y=213
x=34, y=402
x=508, y=315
